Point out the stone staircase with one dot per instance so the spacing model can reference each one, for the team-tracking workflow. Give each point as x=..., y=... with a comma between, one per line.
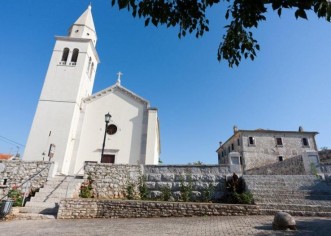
x=45, y=203
x=301, y=195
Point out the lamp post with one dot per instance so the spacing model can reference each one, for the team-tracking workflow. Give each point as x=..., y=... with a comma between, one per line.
x=107, y=119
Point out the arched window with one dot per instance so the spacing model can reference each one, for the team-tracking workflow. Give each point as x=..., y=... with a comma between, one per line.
x=74, y=56
x=92, y=68
x=65, y=55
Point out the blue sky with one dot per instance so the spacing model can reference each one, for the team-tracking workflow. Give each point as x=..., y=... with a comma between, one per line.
x=199, y=99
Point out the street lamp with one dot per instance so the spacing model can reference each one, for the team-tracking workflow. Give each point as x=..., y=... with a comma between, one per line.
x=107, y=119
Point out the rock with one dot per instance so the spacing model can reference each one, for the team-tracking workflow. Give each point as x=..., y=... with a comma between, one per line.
x=283, y=221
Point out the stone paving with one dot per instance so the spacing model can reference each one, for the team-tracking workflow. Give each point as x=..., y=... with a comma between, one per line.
x=224, y=225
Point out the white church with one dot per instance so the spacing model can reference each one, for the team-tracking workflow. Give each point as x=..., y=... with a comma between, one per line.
x=71, y=125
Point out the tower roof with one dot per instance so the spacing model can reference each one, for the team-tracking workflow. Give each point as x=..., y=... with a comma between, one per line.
x=84, y=27
x=86, y=19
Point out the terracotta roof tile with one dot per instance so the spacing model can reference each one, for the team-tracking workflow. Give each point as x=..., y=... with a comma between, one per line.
x=5, y=156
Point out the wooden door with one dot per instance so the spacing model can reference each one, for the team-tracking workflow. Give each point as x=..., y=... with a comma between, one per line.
x=106, y=158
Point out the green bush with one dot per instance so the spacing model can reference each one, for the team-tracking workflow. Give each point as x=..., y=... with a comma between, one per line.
x=130, y=191
x=236, y=193
x=86, y=189
x=166, y=193
x=143, y=190
x=16, y=196
x=207, y=193
x=186, y=189
x=242, y=198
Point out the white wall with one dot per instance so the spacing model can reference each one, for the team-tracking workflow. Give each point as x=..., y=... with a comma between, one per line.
x=153, y=142
x=128, y=115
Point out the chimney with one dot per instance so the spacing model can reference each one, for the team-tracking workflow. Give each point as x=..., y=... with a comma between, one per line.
x=220, y=143
x=300, y=129
x=235, y=129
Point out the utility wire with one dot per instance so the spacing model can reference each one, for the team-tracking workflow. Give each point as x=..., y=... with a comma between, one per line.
x=7, y=140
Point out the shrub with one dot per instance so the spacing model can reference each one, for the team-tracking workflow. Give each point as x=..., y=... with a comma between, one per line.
x=86, y=189
x=130, y=193
x=186, y=189
x=166, y=193
x=241, y=198
x=143, y=190
x=236, y=193
x=16, y=196
x=207, y=193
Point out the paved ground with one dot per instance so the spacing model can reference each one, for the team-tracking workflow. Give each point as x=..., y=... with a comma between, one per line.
x=225, y=225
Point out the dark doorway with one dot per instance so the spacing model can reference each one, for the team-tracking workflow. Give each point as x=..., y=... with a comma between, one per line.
x=108, y=159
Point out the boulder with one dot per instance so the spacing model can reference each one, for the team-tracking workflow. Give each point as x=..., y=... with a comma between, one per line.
x=283, y=221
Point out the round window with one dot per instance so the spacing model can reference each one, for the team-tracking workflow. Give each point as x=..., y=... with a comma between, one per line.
x=111, y=129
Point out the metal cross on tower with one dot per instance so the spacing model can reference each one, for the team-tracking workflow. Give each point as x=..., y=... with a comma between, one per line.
x=119, y=74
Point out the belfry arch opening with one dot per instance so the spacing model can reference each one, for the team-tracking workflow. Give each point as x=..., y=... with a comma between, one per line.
x=74, y=56
x=65, y=55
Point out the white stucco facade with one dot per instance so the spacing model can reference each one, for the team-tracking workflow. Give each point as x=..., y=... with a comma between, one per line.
x=71, y=118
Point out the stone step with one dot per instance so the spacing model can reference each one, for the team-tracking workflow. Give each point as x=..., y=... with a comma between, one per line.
x=284, y=190
x=289, y=195
x=56, y=190
x=41, y=204
x=46, y=199
x=39, y=210
x=258, y=200
x=286, y=177
x=70, y=183
x=294, y=207
x=296, y=213
x=274, y=183
x=34, y=216
x=290, y=191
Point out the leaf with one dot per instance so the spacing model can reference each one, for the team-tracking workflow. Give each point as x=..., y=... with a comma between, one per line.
x=300, y=13
x=227, y=14
x=279, y=12
x=147, y=21
x=276, y=4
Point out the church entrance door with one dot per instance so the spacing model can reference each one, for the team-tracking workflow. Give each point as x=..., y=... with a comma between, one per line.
x=106, y=158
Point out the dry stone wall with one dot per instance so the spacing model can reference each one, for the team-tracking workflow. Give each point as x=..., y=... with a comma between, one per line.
x=291, y=166
x=96, y=208
x=200, y=178
x=326, y=170
x=15, y=173
x=112, y=181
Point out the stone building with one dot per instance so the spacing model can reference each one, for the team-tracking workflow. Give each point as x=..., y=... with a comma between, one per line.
x=260, y=147
x=69, y=126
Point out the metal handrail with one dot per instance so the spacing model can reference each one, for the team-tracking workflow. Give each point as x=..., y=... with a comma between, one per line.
x=6, y=196
x=74, y=177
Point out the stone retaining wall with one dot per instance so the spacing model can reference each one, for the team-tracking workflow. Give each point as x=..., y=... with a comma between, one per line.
x=201, y=178
x=15, y=173
x=111, y=181
x=291, y=166
x=96, y=208
x=326, y=168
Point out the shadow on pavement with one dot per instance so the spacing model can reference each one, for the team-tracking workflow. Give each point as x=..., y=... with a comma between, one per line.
x=309, y=227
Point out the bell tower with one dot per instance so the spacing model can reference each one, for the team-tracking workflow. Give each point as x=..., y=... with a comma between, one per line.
x=69, y=79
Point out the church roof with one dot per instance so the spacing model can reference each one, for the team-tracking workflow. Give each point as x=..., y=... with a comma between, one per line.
x=86, y=19
x=116, y=87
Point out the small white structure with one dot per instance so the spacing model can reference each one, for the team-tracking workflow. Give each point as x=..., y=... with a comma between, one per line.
x=69, y=124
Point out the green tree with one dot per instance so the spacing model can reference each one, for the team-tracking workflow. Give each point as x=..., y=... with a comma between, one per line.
x=242, y=15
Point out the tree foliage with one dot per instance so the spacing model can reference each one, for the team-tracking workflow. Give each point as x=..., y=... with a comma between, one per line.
x=242, y=15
